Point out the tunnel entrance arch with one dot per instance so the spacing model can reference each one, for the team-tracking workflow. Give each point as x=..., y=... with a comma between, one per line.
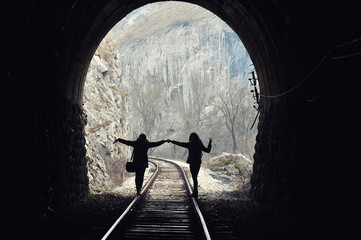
x=266, y=49
x=66, y=46
x=43, y=87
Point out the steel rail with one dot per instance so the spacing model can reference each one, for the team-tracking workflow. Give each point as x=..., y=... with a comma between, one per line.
x=193, y=199
x=135, y=201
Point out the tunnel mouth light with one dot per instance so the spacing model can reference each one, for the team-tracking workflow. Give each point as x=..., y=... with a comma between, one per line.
x=174, y=90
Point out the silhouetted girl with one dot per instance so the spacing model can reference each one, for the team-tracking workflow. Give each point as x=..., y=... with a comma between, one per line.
x=140, y=158
x=195, y=148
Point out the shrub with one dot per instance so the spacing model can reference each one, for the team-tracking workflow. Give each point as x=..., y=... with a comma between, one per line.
x=227, y=161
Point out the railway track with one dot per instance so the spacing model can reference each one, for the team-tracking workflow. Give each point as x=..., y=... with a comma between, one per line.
x=163, y=210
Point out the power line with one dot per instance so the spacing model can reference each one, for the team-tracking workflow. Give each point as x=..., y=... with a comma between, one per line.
x=346, y=56
x=328, y=53
x=256, y=95
x=348, y=43
x=327, y=86
x=302, y=81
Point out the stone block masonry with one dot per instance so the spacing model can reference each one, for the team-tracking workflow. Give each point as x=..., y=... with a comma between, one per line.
x=70, y=179
x=58, y=175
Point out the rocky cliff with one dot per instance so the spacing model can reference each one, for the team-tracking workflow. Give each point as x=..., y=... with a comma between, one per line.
x=190, y=58
x=164, y=70
x=106, y=107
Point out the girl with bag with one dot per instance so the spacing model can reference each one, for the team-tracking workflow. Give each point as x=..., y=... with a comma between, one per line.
x=140, y=156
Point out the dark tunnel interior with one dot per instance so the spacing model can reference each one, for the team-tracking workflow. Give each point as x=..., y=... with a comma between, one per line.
x=307, y=57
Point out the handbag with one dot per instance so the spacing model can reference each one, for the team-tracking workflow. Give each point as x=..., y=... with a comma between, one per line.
x=129, y=166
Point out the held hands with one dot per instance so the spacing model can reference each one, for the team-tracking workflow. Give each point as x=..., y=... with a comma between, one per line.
x=168, y=140
x=171, y=141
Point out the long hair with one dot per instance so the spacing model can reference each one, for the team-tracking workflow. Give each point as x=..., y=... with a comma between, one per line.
x=195, y=149
x=194, y=138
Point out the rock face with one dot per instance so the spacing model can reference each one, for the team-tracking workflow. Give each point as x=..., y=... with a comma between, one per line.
x=105, y=104
x=190, y=58
x=236, y=165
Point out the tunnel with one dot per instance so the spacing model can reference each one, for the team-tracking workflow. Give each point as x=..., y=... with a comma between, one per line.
x=307, y=57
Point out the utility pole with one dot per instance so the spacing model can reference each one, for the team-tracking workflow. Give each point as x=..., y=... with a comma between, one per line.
x=253, y=81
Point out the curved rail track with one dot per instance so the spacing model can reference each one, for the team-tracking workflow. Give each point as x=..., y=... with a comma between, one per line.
x=163, y=210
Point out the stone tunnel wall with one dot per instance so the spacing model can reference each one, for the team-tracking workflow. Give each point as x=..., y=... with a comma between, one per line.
x=271, y=169
x=58, y=171
x=70, y=176
x=45, y=166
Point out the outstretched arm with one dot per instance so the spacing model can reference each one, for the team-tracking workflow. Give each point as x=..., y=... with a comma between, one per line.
x=181, y=144
x=156, y=144
x=209, y=147
x=126, y=142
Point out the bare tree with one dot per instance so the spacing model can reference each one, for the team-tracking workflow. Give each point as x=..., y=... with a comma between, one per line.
x=147, y=100
x=230, y=107
x=197, y=105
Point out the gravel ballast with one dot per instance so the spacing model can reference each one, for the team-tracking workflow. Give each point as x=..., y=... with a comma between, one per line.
x=227, y=204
